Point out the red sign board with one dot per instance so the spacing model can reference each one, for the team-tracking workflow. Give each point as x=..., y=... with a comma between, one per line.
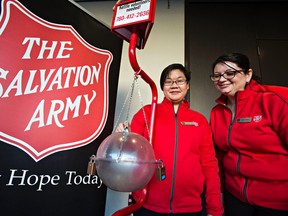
x=134, y=16
x=53, y=84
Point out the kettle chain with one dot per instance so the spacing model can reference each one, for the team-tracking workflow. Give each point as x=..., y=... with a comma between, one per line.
x=129, y=100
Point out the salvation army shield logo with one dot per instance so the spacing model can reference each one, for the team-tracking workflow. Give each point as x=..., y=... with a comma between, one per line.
x=257, y=118
x=53, y=84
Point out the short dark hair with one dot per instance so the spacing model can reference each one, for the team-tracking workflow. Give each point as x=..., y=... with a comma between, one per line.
x=171, y=67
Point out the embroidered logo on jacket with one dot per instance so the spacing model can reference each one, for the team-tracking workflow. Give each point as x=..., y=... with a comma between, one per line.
x=257, y=118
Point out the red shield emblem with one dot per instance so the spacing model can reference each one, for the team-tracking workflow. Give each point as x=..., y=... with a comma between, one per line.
x=53, y=84
x=257, y=118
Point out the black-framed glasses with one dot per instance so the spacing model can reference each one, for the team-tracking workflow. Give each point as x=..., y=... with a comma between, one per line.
x=227, y=75
x=169, y=82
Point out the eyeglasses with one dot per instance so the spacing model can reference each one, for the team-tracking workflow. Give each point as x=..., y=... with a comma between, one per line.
x=169, y=82
x=227, y=75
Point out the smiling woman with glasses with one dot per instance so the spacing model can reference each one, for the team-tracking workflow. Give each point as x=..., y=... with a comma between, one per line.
x=183, y=140
x=250, y=133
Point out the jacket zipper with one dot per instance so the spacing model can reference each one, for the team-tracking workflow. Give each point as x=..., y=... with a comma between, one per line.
x=239, y=156
x=175, y=159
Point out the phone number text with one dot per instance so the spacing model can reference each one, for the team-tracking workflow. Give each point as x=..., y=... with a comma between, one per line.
x=132, y=15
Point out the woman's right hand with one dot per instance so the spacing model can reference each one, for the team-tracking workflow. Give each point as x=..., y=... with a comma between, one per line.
x=123, y=126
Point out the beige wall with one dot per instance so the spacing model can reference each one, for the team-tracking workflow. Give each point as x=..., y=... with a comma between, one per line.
x=164, y=46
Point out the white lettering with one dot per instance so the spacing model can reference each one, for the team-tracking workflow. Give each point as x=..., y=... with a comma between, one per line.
x=40, y=47
x=57, y=80
x=72, y=106
x=15, y=84
x=33, y=180
x=43, y=80
x=22, y=177
x=88, y=102
x=38, y=116
x=44, y=47
x=54, y=112
x=74, y=179
x=28, y=89
x=31, y=41
x=63, y=48
x=59, y=108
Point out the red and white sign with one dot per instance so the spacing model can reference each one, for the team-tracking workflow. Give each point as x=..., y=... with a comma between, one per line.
x=53, y=84
x=134, y=16
x=131, y=13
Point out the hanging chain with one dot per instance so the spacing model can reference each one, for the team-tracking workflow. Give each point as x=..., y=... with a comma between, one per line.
x=129, y=100
x=128, y=96
x=142, y=107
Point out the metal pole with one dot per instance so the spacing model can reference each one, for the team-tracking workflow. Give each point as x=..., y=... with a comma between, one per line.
x=138, y=71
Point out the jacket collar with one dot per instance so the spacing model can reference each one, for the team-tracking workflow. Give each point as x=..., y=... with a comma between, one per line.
x=184, y=104
x=253, y=86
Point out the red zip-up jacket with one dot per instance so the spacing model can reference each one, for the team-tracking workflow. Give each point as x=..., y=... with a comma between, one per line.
x=184, y=142
x=252, y=148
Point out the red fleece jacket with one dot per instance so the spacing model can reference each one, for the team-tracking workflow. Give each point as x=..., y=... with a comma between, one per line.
x=252, y=148
x=184, y=142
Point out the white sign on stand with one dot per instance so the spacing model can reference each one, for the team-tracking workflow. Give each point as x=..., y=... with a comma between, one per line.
x=131, y=13
x=132, y=16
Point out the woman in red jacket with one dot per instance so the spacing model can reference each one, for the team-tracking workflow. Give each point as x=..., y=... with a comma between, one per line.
x=183, y=140
x=250, y=131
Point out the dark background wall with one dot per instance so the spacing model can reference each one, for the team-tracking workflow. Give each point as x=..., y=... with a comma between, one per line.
x=255, y=28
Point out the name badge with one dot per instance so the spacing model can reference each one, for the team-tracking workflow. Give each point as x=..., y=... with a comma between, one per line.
x=243, y=120
x=190, y=123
